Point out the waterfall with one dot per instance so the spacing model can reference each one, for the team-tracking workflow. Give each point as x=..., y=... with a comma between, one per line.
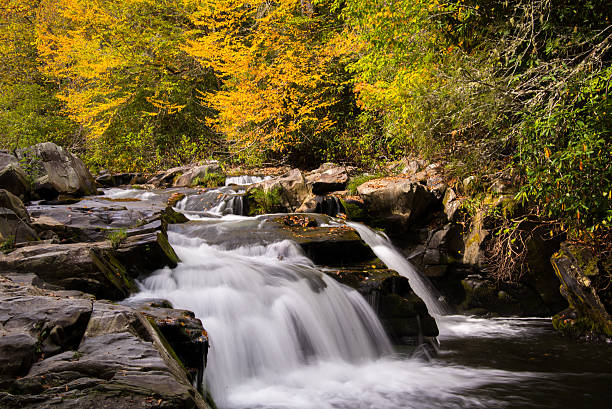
x=388, y=254
x=268, y=310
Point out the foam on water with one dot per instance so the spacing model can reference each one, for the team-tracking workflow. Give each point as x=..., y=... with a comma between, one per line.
x=119, y=193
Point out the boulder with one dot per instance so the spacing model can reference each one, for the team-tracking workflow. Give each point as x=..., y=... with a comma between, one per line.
x=585, y=282
x=96, y=268
x=15, y=227
x=14, y=179
x=183, y=331
x=330, y=205
x=397, y=202
x=403, y=314
x=56, y=171
x=290, y=188
x=196, y=173
x=122, y=361
x=327, y=178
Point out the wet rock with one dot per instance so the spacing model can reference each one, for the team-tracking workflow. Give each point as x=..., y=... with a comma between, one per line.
x=402, y=313
x=56, y=171
x=96, y=268
x=585, y=284
x=487, y=297
x=327, y=178
x=330, y=205
x=325, y=245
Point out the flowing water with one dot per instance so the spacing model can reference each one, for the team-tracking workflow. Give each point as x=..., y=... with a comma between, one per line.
x=286, y=336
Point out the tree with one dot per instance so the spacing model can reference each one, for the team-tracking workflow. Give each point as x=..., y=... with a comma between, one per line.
x=285, y=90
x=124, y=77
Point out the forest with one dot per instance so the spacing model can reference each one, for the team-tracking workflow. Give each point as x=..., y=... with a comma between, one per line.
x=487, y=87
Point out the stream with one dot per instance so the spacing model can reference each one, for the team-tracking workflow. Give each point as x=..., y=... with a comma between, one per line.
x=284, y=335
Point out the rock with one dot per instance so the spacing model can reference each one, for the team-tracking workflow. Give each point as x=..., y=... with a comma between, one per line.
x=191, y=176
x=327, y=178
x=120, y=179
x=123, y=361
x=487, y=297
x=183, y=331
x=329, y=246
x=329, y=205
x=290, y=187
x=452, y=205
x=9, y=201
x=56, y=171
x=397, y=202
x=15, y=227
x=167, y=177
x=402, y=313
x=585, y=285
x=95, y=268
x=14, y=179
x=36, y=325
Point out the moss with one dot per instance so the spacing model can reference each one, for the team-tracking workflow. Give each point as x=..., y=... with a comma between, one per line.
x=264, y=201
x=359, y=180
x=113, y=270
x=354, y=211
x=162, y=240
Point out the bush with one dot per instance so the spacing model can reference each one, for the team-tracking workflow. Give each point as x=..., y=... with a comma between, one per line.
x=262, y=202
x=209, y=180
x=116, y=237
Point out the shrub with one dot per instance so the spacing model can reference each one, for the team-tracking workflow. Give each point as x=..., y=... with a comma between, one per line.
x=209, y=180
x=116, y=237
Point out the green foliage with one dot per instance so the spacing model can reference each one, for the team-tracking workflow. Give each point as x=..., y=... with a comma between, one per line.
x=8, y=244
x=116, y=237
x=209, y=180
x=264, y=201
x=359, y=180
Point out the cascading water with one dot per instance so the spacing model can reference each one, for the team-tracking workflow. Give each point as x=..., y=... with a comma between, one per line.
x=382, y=247
x=285, y=335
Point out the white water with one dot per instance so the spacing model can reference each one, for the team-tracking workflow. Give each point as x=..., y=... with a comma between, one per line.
x=285, y=336
x=120, y=193
x=384, y=250
x=244, y=180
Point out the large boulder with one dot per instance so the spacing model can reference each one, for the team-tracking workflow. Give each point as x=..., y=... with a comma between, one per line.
x=119, y=360
x=396, y=202
x=287, y=191
x=120, y=179
x=56, y=171
x=327, y=178
x=14, y=179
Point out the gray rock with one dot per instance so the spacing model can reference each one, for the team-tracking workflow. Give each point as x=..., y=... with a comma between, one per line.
x=291, y=186
x=397, y=202
x=56, y=171
x=121, y=362
x=327, y=178
x=189, y=177
x=14, y=179
x=95, y=268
